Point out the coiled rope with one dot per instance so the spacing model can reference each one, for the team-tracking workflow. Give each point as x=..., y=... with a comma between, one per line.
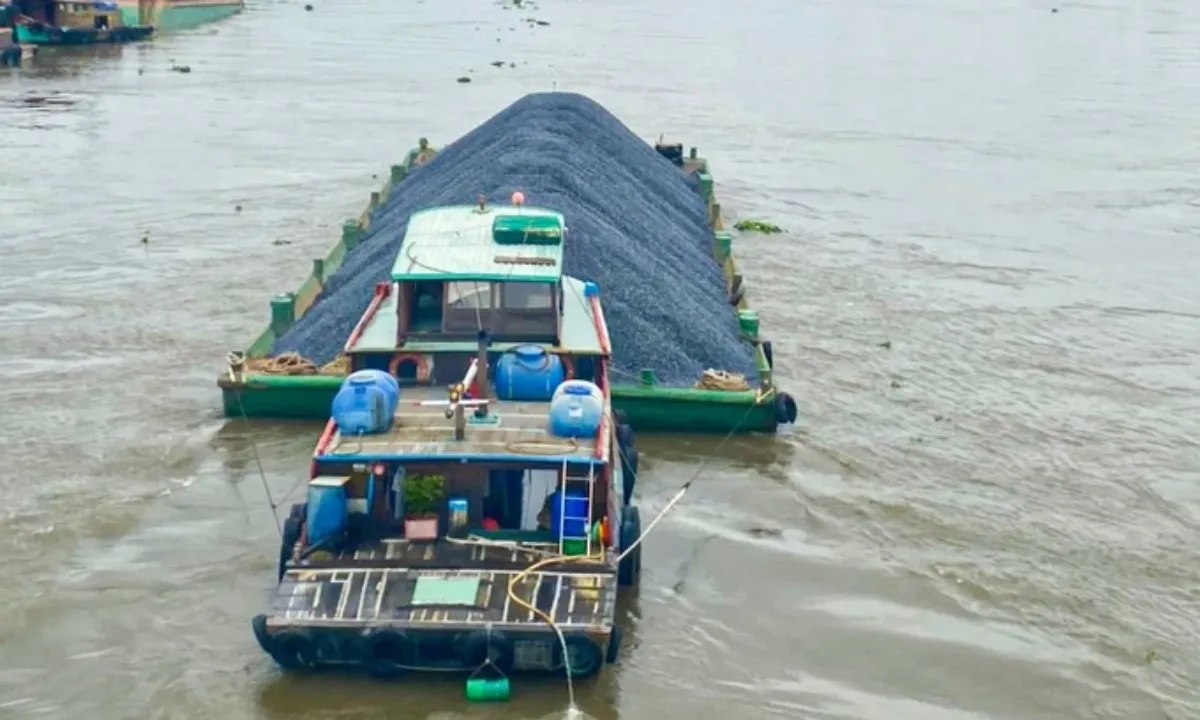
x=291, y=363
x=722, y=380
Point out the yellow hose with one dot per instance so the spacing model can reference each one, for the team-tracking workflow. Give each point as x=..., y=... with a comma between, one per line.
x=562, y=640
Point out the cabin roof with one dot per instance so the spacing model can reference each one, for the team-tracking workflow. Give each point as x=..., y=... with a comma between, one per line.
x=518, y=432
x=577, y=333
x=462, y=242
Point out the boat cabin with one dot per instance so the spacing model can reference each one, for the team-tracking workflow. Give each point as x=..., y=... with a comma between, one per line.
x=466, y=270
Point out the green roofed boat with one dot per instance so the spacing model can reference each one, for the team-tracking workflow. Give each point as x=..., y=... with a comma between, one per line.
x=421, y=317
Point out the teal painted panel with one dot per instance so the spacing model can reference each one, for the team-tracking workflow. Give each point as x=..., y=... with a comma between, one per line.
x=186, y=17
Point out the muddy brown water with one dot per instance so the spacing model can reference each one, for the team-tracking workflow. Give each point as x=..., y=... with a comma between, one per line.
x=997, y=516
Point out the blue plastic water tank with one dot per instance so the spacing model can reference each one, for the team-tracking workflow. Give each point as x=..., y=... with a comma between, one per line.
x=366, y=402
x=528, y=373
x=576, y=409
x=326, y=508
x=576, y=516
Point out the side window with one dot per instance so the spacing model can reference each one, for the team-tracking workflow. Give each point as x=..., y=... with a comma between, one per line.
x=469, y=295
x=527, y=296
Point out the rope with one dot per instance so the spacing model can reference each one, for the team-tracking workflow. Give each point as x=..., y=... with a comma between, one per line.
x=722, y=380
x=293, y=363
x=600, y=556
x=237, y=394
x=540, y=448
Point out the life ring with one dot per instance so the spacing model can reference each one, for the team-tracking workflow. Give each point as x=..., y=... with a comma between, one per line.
x=785, y=409
x=294, y=649
x=477, y=647
x=584, y=657
x=422, y=362
x=388, y=653
x=630, y=569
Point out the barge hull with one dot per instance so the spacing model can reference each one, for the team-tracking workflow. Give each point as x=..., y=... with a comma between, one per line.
x=648, y=407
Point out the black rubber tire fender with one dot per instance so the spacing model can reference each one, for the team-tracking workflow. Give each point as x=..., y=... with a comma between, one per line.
x=476, y=647
x=586, y=657
x=294, y=649
x=630, y=569
x=292, y=529
x=785, y=409
x=769, y=353
x=388, y=653
x=627, y=444
x=613, y=653
x=259, y=625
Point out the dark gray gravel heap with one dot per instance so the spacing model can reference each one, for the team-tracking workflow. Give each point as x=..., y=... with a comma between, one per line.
x=637, y=228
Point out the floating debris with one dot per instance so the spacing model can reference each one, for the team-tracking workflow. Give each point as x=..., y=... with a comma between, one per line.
x=758, y=226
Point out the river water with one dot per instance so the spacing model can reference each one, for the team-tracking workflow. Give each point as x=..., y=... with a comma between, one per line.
x=985, y=301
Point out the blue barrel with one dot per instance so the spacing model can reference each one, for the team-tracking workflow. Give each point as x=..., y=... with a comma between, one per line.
x=576, y=410
x=528, y=373
x=366, y=402
x=326, y=508
x=576, y=515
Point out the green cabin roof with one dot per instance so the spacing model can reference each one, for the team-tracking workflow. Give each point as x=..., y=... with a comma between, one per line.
x=498, y=244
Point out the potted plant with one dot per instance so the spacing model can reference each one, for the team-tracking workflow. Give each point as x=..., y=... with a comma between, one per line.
x=422, y=498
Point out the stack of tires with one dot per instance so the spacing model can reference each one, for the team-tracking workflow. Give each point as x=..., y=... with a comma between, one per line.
x=630, y=570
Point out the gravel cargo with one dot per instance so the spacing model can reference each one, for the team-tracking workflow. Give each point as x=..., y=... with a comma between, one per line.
x=636, y=227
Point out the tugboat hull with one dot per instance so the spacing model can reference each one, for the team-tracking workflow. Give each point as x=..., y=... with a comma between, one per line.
x=392, y=609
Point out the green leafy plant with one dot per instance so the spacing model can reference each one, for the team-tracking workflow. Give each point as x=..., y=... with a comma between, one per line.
x=758, y=226
x=423, y=494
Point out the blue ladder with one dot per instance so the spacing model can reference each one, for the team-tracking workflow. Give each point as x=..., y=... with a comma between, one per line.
x=586, y=521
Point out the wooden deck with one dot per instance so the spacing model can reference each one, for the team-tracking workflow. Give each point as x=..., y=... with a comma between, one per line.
x=385, y=585
x=514, y=430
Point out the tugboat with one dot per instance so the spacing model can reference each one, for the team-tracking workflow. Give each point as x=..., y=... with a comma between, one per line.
x=469, y=502
x=83, y=22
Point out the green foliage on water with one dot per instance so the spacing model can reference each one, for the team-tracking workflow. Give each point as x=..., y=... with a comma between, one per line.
x=758, y=226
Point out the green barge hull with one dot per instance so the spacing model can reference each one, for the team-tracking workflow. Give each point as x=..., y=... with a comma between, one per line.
x=646, y=405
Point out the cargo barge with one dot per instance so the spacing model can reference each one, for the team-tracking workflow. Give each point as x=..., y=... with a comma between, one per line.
x=469, y=506
x=255, y=386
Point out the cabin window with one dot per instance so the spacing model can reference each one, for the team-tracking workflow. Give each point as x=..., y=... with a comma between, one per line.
x=464, y=295
x=468, y=307
x=425, y=311
x=527, y=296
